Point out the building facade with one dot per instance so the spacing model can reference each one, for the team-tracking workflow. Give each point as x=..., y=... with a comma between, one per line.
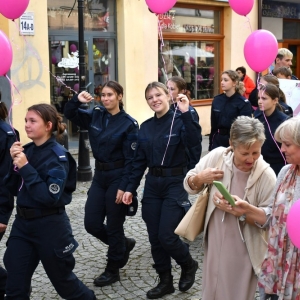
x=124, y=41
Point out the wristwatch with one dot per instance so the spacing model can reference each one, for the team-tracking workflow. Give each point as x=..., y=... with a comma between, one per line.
x=242, y=218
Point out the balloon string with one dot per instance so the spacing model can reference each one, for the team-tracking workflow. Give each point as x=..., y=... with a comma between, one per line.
x=249, y=23
x=160, y=33
x=11, y=106
x=263, y=88
x=57, y=78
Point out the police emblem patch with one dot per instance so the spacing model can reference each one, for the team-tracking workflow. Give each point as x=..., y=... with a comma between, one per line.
x=54, y=188
x=133, y=145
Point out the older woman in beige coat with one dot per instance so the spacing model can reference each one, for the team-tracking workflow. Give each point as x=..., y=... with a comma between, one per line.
x=234, y=244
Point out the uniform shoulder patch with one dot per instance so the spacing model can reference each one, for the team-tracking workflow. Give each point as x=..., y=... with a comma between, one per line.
x=6, y=128
x=61, y=152
x=132, y=120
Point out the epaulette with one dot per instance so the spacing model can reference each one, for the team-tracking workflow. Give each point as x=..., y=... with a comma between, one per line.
x=246, y=100
x=61, y=152
x=132, y=120
x=6, y=128
x=99, y=107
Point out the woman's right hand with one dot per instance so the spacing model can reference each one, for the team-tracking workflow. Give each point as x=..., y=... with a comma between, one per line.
x=127, y=198
x=85, y=97
x=209, y=175
x=16, y=149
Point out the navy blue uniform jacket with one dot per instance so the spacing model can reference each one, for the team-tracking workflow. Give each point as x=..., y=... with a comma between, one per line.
x=49, y=178
x=7, y=138
x=269, y=150
x=195, y=153
x=224, y=110
x=152, y=146
x=112, y=137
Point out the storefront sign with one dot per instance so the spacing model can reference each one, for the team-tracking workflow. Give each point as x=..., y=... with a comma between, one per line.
x=67, y=77
x=198, y=28
x=72, y=61
x=276, y=9
x=27, y=24
x=291, y=89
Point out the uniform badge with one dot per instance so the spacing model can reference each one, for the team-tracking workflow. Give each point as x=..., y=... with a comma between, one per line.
x=54, y=188
x=133, y=145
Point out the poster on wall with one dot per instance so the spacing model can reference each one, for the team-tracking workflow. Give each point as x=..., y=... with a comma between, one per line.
x=291, y=89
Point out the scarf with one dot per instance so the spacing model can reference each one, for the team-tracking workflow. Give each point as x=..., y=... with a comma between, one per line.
x=280, y=272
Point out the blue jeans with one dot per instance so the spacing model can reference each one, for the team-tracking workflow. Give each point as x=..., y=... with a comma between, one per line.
x=264, y=296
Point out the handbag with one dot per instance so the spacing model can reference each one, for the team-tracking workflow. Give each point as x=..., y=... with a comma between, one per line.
x=192, y=224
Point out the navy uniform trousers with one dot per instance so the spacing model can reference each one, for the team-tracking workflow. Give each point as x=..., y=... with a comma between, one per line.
x=101, y=204
x=162, y=213
x=35, y=240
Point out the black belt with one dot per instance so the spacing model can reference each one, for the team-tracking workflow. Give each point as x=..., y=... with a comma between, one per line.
x=166, y=172
x=109, y=166
x=32, y=213
x=224, y=131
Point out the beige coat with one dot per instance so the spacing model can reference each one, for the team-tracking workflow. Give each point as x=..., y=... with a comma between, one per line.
x=258, y=192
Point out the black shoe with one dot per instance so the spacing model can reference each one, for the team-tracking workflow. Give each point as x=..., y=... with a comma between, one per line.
x=187, y=277
x=130, y=243
x=164, y=287
x=107, y=278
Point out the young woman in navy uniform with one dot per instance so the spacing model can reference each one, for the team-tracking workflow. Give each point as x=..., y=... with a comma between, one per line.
x=271, y=115
x=113, y=136
x=162, y=144
x=178, y=89
x=8, y=136
x=225, y=108
x=43, y=177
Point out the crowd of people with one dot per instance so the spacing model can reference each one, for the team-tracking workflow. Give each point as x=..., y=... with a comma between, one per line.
x=253, y=152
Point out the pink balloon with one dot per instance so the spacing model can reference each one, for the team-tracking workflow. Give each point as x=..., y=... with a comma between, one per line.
x=241, y=7
x=54, y=60
x=260, y=50
x=73, y=48
x=6, y=52
x=76, y=87
x=13, y=9
x=160, y=6
x=293, y=223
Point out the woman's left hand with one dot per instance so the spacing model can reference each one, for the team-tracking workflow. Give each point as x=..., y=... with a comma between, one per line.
x=183, y=103
x=119, y=196
x=240, y=208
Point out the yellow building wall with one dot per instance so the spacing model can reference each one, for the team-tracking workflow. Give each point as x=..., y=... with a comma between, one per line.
x=236, y=30
x=30, y=67
x=137, y=55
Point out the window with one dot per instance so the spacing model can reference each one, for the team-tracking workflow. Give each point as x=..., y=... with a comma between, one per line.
x=98, y=15
x=191, y=49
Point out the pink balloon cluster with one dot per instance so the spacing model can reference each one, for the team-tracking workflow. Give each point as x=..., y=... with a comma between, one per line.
x=11, y=9
x=241, y=7
x=160, y=6
x=260, y=49
x=293, y=223
x=6, y=52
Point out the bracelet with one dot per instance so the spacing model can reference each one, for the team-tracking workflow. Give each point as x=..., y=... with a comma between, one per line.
x=193, y=184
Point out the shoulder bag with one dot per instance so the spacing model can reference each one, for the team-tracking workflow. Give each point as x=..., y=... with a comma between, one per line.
x=193, y=222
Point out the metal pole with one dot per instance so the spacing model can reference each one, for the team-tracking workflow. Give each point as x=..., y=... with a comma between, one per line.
x=84, y=170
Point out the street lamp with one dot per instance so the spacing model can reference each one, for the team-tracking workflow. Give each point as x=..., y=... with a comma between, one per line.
x=84, y=170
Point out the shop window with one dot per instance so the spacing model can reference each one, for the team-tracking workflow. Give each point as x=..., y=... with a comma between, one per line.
x=291, y=29
x=191, y=49
x=98, y=15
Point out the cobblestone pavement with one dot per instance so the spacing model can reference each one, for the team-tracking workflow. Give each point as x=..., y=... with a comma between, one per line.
x=137, y=277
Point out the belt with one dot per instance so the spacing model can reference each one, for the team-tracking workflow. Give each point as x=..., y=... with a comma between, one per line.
x=109, y=166
x=32, y=213
x=224, y=131
x=167, y=172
